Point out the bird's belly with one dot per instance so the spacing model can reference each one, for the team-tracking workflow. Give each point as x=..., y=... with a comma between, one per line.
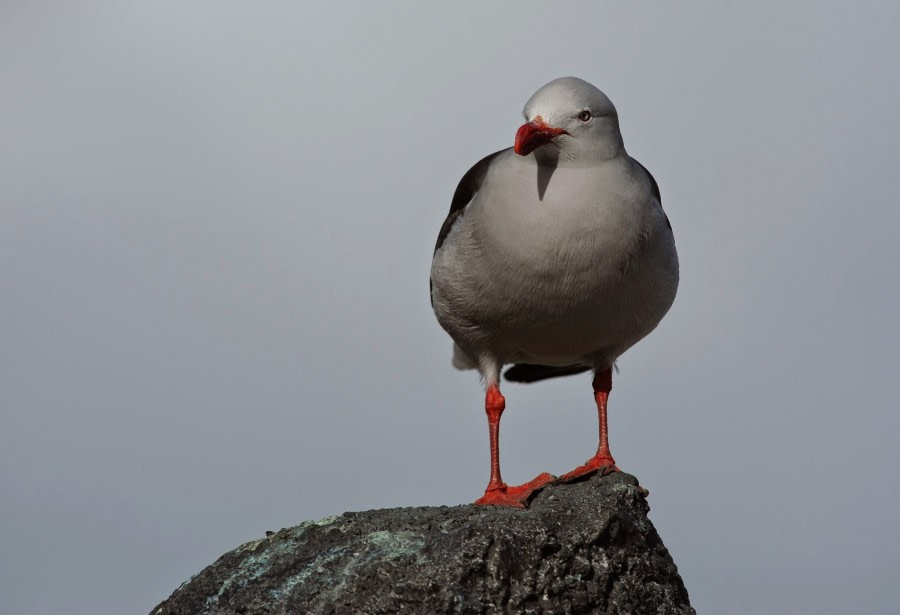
x=562, y=327
x=566, y=307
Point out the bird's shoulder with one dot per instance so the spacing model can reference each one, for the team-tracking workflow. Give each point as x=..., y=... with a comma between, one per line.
x=466, y=190
x=654, y=186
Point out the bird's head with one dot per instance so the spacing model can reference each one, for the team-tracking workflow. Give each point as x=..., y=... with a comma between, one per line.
x=575, y=117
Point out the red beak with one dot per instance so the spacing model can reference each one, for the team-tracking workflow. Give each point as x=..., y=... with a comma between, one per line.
x=534, y=134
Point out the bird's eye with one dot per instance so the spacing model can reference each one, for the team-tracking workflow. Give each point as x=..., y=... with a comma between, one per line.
x=584, y=116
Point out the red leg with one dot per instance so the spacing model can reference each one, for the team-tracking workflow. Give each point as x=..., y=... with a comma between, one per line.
x=499, y=493
x=494, y=405
x=603, y=461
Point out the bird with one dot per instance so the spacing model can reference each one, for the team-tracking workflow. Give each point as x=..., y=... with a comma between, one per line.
x=555, y=258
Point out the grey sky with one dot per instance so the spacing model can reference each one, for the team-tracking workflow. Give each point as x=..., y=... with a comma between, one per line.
x=216, y=224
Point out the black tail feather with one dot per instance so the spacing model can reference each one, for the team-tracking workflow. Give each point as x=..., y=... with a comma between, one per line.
x=522, y=372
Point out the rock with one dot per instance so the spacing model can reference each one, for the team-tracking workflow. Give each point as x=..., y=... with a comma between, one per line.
x=586, y=547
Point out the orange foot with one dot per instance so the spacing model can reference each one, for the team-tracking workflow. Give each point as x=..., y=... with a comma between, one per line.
x=604, y=464
x=516, y=496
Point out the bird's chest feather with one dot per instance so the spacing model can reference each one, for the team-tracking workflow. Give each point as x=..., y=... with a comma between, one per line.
x=573, y=240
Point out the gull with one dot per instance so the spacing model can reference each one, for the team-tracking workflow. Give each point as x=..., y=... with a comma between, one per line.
x=555, y=258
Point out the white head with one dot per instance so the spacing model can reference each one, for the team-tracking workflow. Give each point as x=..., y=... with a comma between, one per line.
x=573, y=116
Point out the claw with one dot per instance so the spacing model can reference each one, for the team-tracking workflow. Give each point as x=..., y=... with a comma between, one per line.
x=602, y=465
x=516, y=496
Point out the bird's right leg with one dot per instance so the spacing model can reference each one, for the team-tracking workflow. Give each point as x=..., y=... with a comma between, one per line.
x=499, y=493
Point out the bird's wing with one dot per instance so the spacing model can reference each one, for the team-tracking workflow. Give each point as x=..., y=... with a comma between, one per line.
x=465, y=191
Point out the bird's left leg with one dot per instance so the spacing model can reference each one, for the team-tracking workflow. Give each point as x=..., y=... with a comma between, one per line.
x=499, y=493
x=602, y=461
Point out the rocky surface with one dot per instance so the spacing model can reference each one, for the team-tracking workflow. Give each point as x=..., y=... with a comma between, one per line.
x=586, y=547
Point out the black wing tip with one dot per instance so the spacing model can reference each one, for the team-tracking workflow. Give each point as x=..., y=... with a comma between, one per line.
x=523, y=372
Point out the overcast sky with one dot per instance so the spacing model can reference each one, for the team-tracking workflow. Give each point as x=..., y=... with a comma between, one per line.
x=216, y=228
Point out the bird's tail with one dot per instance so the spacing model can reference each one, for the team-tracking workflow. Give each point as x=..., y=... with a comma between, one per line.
x=523, y=372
